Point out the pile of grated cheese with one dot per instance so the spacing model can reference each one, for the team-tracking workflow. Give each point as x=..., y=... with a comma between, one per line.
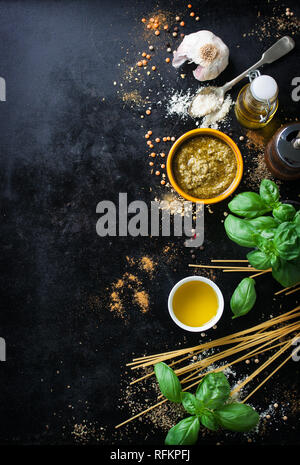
x=179, y=102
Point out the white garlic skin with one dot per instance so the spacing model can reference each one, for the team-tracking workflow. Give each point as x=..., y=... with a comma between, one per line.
x=205, y=49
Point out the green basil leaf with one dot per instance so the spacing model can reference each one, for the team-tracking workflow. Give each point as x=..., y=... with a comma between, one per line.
x=213, y=390
x=284, y=212
x=249, y=205
x=266, y=245
x=296, y=222
x=239, y=231
x=237, y=417
x=262, y=223
x=168, y=382
x=287, y=273
x=184, y=433
x=275, y=262
x=287, y=242
x=191, y=404
x=209, y=420
x=259, y=260
x=269, y=192
x=296, y=219
x=268, y=233
x=243, y=298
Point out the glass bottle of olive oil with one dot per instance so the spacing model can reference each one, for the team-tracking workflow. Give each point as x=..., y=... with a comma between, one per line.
x=257, y=102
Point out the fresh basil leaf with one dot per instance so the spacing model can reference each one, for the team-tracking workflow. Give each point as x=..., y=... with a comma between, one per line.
x=237, y=417
x=259, y=260
x=249, y=205
x=287, y=273
x=213, y=390
x=262, y=223
x=284, y=212
x=192, y=405
x=296, y=219
x=269, y=192
x=287, y=242
x=209, y=420
x=168, y=382
x=275, y=262
x=268, y=233
x=296, y=222
x=239, y=231
x=184, y=433
x=243, y=298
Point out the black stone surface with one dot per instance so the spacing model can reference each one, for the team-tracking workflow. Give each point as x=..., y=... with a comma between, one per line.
x=64, y=149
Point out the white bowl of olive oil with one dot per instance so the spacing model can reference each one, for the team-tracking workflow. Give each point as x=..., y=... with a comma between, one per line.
x=196, y=303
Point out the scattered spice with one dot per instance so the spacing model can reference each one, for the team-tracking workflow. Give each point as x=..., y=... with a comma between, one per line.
x=142, y=299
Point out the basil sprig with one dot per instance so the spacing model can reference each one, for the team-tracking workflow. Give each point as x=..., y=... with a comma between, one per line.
x=276, y=239
x=209, y=407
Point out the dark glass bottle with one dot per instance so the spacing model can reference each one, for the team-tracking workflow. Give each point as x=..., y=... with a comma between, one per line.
x=282, y=153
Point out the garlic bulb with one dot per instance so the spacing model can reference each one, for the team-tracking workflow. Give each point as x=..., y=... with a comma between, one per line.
x=206, y=50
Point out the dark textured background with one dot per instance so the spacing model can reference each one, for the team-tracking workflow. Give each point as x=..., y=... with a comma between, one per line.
x=63, y=149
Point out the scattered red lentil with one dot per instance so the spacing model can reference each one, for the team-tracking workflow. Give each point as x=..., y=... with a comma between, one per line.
x=182, y=23
x=162, y=165
x=153, y=68
x=177, y=18
x=139, y=63
x=151, y=163
x=189, y=5
x=148, y=112
x=192, y=14
x=144, y=62
x=157, y=139
x=148, y=57
x=168, y=60
x=150, y=133
x=144, y=54
x=152, y=155
x=164, y=139
x=144, y=20
x=147, y=136
x=157, y=33
x=157, y=173
x=162, y=154
x=163, y=182
x=149, y=142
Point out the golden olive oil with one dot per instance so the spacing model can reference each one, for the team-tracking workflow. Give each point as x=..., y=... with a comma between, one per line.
x=195, y=303
x=249, y=111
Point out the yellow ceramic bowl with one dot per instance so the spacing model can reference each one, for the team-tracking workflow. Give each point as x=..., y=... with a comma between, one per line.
x=219, y=135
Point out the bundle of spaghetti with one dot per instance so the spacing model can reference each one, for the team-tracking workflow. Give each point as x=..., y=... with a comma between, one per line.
x=241, y=336
x=260, y=338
